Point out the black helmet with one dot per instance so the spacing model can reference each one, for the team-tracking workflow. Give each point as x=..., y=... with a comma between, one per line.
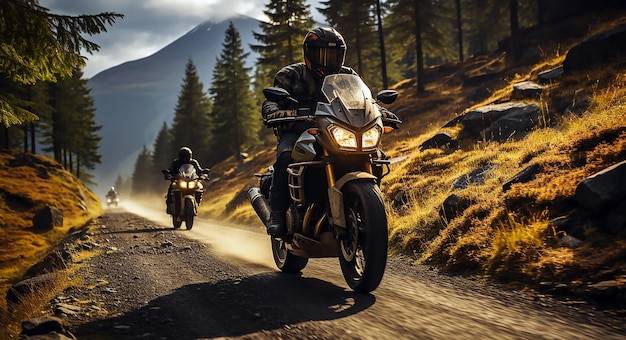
x=324, y=51
x=184, y=154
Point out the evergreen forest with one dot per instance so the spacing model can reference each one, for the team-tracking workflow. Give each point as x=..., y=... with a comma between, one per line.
x=45, y=105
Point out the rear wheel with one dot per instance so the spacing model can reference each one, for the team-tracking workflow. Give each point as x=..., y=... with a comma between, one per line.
x=284, y=259
x=363, y=252
x=190, y=213
x=176, y=222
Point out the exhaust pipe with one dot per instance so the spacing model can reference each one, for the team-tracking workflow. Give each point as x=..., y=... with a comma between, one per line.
x=260, y=204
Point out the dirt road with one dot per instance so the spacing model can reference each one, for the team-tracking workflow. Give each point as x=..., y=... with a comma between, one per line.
x=215, y=281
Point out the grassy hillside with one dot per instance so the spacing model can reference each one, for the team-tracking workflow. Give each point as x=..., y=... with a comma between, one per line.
x=27, y=184
x=504, y=235
x=510, y=236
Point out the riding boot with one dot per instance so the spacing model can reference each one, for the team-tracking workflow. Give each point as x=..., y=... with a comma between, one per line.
x=277, y=225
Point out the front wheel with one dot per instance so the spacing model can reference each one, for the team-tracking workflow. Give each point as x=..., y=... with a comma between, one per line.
x=284, y=259
x=190, y=212
x=363, y=252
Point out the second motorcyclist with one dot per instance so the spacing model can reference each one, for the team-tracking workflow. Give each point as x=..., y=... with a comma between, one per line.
x=184, y=157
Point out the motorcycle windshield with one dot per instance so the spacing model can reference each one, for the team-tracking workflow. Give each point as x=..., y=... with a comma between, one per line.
x=187, y=171
x=350, y=88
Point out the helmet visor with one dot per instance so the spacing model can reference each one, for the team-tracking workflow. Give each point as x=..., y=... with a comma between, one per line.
x=328, y=57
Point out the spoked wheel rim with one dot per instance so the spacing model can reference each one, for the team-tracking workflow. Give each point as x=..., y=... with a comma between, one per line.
x=286, y=261
x=280, y=251
x=363, y=251
x=351, y=249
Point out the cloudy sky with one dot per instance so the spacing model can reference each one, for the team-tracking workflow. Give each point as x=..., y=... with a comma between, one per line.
x=149, y=25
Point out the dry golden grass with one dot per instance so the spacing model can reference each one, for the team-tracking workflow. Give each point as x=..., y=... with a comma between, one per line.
x=30, y=305
x=22, y=192
x=507, y=234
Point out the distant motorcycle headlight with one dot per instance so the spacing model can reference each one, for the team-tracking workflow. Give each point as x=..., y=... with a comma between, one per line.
x=345, y=138
x=192, y=184
x=182, y=185
x=371, y=138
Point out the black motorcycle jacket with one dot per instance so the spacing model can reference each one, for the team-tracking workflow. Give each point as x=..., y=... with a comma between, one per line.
x=302, y=86
x=306, y=89
x=176, y=163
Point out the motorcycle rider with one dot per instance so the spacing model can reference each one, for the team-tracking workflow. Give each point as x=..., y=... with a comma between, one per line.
x=112, y=194
x=324, y=51
x=184, y=157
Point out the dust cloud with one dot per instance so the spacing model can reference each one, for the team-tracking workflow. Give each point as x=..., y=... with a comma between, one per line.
x=248, y=245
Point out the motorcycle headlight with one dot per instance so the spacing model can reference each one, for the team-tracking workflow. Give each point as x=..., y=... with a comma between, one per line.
x=345, y=138
x=182, y=185
x=192, y=184
x=371, y=138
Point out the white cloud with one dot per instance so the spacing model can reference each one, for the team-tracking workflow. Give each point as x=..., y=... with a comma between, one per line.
x=149, y=25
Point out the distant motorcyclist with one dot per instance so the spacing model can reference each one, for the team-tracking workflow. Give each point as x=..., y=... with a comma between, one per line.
x=184, y=157
x=112, y=194
x=324, y=51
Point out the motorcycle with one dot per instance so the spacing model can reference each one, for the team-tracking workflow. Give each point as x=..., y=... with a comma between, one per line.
x=187, y=189
x=336, y=207
x=113, y=200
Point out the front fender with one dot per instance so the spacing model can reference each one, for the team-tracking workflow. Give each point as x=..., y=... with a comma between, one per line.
x=335, y=196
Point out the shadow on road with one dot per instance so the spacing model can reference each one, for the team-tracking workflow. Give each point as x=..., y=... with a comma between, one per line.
x=232, y=307
x=137, y=231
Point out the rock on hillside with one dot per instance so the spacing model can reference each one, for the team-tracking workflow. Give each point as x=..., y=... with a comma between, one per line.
x=30, y=183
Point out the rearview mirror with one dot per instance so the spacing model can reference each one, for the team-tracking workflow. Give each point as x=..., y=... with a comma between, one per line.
x=275, y=94
x=387, y=96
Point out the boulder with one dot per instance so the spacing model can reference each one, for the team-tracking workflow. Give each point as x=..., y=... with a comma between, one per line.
x=551, y=74
x=475, y=177
x=45, y=327
x=615, y=220
x=26, y=287
x=513, y=125
x=526, y=90
x=499, y=122
x=48, y=218
x=523, y=176
x=599, y=48
x=604, y=190
x=453, y=206
x=439, y=140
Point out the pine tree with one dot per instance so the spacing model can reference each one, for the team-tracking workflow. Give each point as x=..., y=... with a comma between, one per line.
x=486, y=22
x=355, y=20
x=38, y=94
x=420, y=31
x=141, y=184
x=162, y=155
x=191, y=118
x=281, y=40
x=41, y=46
x=265, y=135
x=236, y=121
x=71, y=133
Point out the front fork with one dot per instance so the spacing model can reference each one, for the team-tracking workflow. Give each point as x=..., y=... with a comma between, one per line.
x=335, y=196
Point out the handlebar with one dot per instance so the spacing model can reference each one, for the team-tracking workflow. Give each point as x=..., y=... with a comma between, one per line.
x=290, y=119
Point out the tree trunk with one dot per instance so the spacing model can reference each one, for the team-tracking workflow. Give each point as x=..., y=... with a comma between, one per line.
x=459, y=25
x=25, y=139
x=418, y=47
x=515, y=40
x=32, y=138
x=381, y=41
